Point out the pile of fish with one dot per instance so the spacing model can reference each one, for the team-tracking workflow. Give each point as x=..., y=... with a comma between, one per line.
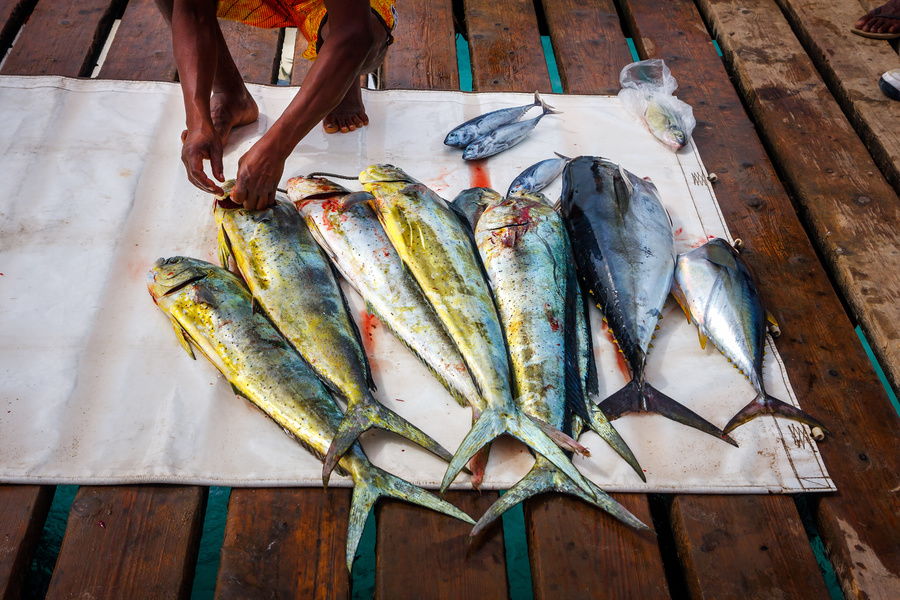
x=491, y=293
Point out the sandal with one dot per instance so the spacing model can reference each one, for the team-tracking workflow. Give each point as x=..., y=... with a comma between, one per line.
x=878, y=36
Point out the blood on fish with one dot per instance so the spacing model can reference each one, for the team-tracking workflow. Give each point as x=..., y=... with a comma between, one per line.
x=478, y=173
x=620, y=358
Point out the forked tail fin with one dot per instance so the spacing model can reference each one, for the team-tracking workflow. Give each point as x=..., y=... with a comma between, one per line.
x=493, y=423
x=362, y=416
x=601, y=425
x=371, y=484
x=646, y=398
x=765, y=404
x=545, y=477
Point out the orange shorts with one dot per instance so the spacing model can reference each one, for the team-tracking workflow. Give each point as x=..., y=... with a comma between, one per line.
x=305, y=15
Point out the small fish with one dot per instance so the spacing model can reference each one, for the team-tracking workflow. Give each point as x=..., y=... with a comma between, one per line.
x=463, y=135
x=718, y=294
x=503, y=137
x=293, y=282
x=538, y=176
x=665, y=125
x=210, y=309
x=625, y=252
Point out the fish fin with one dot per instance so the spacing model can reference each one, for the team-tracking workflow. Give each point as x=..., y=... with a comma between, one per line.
x=624, y=401
x=592, y=380
x=563, y=440
x=722, y=254
x=225, y=251
x=659, y=403
x=703, y=339
x=769, y=405
x=372, y=484
x=773, y=328
x=562, y=157
x=362, y=416
x=181, y=334
x=546, y=108
x=493, y=423
x=351, y=200
x=602, y=427
x=626, y=179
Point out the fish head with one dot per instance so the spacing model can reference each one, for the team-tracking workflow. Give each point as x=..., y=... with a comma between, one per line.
x=474, y=201
x=674, y=137
x=302, y=189
x=385, y=174
x=168, y=275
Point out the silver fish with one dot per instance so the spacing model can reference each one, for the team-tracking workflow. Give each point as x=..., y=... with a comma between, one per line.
x=718, y=294
x=625, y=252
x=538, y=176
x=211, y=310
x=503, y=137
x=462, y=135
x=294, y=283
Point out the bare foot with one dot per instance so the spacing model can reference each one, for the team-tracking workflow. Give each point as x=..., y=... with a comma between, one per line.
x=348, y=115
x=874, y=23
x=229, y=111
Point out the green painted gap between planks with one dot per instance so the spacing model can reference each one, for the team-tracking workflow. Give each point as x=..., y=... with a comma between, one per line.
x=37, y=580
x=879, y=370
x=211, y=539
x=518, y=565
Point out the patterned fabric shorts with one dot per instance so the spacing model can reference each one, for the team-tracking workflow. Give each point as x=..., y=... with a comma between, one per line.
x=305, y=15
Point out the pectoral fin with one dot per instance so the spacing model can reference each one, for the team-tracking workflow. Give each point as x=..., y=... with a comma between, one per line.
x=181, y=334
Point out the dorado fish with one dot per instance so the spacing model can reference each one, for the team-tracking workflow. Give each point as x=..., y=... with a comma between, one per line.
x=525, y=250
x=718, y=294
x=625, y=253
x=665, y=124
x=538, y=176
x=354, y=240
x=433, y=242
x=503, y=137
x=211, y=309
x=294, y=284
x=462, y=135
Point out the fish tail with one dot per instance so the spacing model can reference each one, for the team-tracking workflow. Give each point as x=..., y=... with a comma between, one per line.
x=364, y=415
x=636, y=398
x=548, y=110
x=770, y=405
x=494, y=423
x=601, y=425
x=373, y=483
x=544, y=477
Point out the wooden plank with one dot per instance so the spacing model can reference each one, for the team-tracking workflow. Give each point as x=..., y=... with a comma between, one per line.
x=505, y=47
x=849, y=208
x=130, y=542
x=851, y=65
x=430, y=560
x=423, y=55
x=576, y=551
x=585, y=34
x=301, y=65
x=285, y=543
x=12, y=14
x=142, y=47
x=719, y=536
x=23, y=510
x=828, y=367
x=61, y=38
x=256, y=51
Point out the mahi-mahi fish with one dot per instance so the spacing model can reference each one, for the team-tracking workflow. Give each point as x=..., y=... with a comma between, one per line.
x=432, y=240
x=211, y=310
x=718, y=294
x=525, y=250
x=625, y=253
x=357, y=245
x=293, y=282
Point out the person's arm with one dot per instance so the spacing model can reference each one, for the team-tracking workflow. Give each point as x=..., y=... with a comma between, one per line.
x=195, y=44
x=338, y=65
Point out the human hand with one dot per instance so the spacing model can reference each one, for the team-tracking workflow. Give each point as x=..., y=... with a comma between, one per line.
x=199, y=145
x=259, y=172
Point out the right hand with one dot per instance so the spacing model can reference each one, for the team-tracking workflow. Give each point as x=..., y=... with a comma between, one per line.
x=199, y=145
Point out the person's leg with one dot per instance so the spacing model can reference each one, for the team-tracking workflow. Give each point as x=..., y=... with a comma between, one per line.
x=350, y=113
x=231, y=104
x=875, y=22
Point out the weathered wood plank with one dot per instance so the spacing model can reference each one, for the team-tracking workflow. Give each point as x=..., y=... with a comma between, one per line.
x=429, y=560
x=851, y=65
x=12, y=14
x=61, y=38
x=577, y=551
x=130, y=542
x=142, y=47
x=23, y=510
x=505, y=47
x=285, y=543
x=758, y=539
x=585, y=34
x=828, y=367
x=256, y=51
x=423, y=55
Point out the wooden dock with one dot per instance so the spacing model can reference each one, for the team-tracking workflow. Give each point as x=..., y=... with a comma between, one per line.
x=807, y=153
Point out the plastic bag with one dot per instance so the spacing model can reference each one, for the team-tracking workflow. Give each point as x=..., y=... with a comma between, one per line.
x=646, y=94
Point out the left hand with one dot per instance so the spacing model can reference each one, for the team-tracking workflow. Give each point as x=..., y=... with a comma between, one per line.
x=259, y=172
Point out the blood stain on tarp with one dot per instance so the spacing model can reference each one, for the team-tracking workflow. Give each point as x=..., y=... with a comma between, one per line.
x=478, y=173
